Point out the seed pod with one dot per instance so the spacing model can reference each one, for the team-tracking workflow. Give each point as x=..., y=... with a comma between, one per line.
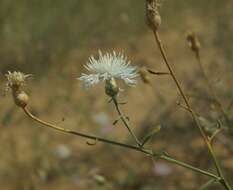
x=20, y=98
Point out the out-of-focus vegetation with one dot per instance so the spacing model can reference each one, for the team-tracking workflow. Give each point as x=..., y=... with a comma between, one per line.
x=52, y=39
x=39, y=33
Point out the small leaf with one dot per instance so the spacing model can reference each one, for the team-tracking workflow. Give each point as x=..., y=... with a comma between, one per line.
x=122, y=103
x=151, y=134
x=115, y=122
x=127, y=117
x=207, y=184
x=157, y=72
x=110, y=100
x=209, y=125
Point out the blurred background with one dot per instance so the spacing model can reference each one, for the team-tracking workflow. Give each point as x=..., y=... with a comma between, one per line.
x=52, y=39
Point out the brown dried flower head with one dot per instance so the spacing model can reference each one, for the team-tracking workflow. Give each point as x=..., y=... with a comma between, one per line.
x=193, y=41
x=16, y=79
x=152, y=14
x=15, y=82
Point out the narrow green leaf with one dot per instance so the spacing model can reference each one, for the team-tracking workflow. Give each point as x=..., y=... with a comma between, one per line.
x=207, y=184
x=151, y=134
x=115, y=122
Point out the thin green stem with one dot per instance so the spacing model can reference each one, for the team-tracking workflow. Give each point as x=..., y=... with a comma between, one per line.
x=64, y=130
x=212, y=153
x=127, y=146
x=214, y=95
x=180, y=163
x=162, y=51
x=124, y=120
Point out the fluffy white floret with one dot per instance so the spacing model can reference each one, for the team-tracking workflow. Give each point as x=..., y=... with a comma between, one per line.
x=109, y=66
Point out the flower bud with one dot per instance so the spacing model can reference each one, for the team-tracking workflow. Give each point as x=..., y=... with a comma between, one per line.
x=152, y=15
x=144, y=75
x=111, y=88
x=193, y=41
x=21, y=98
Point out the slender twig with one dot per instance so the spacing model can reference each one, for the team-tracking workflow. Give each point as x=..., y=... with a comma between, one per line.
x=183, y=106
x=123, y=145
x=205, y=137
x=124, y=120
x=215, y=134
x=64, y=130
x=212, y=90
x=159, y=43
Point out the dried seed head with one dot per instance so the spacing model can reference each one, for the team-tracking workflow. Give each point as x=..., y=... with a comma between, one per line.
x=152, y=14
x=15, y=80
x=111, y=88
x=20, y=98
x=193, y=42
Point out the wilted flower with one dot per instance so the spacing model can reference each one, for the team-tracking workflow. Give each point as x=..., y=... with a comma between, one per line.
x=16, y=79
x=109, y=66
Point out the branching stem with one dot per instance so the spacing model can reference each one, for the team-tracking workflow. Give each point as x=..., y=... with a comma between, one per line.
x=123, y=145
x=124, y=120
x=205, y=137
x=212, y=90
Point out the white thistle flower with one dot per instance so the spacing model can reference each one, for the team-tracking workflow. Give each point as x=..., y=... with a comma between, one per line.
x=109, y=66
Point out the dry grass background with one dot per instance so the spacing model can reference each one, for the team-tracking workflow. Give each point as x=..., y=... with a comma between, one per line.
x=53, y=39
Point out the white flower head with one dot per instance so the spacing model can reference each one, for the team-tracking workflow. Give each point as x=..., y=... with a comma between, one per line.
x=107, y=66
